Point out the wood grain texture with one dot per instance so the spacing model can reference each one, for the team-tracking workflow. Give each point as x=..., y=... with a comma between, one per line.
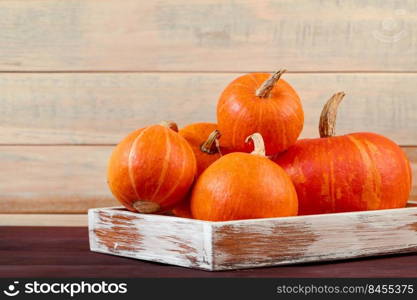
x=53, y=179
x=103, y=108
x=208, y=35
x=252, y=243
x=70, y=179
x=66, y=220
x=171, y=240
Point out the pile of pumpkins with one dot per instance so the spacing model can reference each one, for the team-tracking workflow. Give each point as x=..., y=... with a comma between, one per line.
x=251, y=165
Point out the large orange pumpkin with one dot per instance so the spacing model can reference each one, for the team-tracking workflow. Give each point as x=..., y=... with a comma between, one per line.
x=257, y=102
x=353, y=172
x=243, y=186
x=152, y=169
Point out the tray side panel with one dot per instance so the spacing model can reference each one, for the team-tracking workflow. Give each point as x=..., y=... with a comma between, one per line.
x=155, y=238
x=256, y=243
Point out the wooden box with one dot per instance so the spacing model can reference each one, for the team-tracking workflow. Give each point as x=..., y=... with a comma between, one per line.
x=252, y=243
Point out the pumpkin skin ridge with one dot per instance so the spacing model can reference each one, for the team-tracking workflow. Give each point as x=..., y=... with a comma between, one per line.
x=398, y=152
x=187, y=150
x=255, y=81
x=283, y=134
x=124, y=180
x=235, y=129
x=301, y=163
x=146, y=163
x=213, y=190
x=129, y=162
x=142, y=162
x=164, y=167
x=175, y=185
x=372, y=183
x=239, y=115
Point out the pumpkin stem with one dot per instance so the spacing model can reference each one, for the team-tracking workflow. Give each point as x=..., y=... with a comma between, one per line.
x=266, y=87
x=146, y=207
x=327, y=122
x=258, y=144
x=211, y=145
x=170, y=124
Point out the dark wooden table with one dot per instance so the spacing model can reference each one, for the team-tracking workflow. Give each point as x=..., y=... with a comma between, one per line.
x=64, y=252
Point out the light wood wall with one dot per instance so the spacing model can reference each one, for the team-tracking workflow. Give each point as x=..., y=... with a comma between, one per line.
x=77, y=75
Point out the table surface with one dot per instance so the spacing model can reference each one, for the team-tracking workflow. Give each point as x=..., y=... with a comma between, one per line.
x=64, y=252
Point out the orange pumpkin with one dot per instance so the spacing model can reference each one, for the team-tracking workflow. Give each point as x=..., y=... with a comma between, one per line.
x=243, y=186
x=253, y=103
x=152, y=169
x=203, y=139
x=353, y=172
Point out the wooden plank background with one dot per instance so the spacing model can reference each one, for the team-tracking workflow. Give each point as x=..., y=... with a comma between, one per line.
x=102, y=108
x=208, y=35
x=77, y=75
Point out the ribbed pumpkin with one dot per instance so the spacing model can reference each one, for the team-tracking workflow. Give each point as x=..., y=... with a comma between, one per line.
x=203, y=139
x=152, y=169
x=353, y=172
x=243, y=186
x=258, y=102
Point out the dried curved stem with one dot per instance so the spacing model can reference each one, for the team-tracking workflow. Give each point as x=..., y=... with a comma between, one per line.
x=258, y=144
x=327, y=124
x=211, y=146
x=266, y=87
x=170, y=124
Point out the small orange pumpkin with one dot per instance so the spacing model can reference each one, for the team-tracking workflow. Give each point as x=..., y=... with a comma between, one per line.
x=253, y=103
x=353, y=172
x=152, y=169
x=203, y=139
x=243, y=186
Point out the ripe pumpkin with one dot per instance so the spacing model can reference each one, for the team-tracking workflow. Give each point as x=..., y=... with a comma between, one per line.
x=253, y=103
x=203, y=139
x=152, y=169
x=353, y=172
x=243, y=186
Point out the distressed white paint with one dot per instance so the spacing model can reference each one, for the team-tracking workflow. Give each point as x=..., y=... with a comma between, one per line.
x=256, y=243
x=156, y=238
x=335, y=236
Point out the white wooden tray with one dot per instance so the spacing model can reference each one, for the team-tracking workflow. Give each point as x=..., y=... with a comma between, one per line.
x=252, y=243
